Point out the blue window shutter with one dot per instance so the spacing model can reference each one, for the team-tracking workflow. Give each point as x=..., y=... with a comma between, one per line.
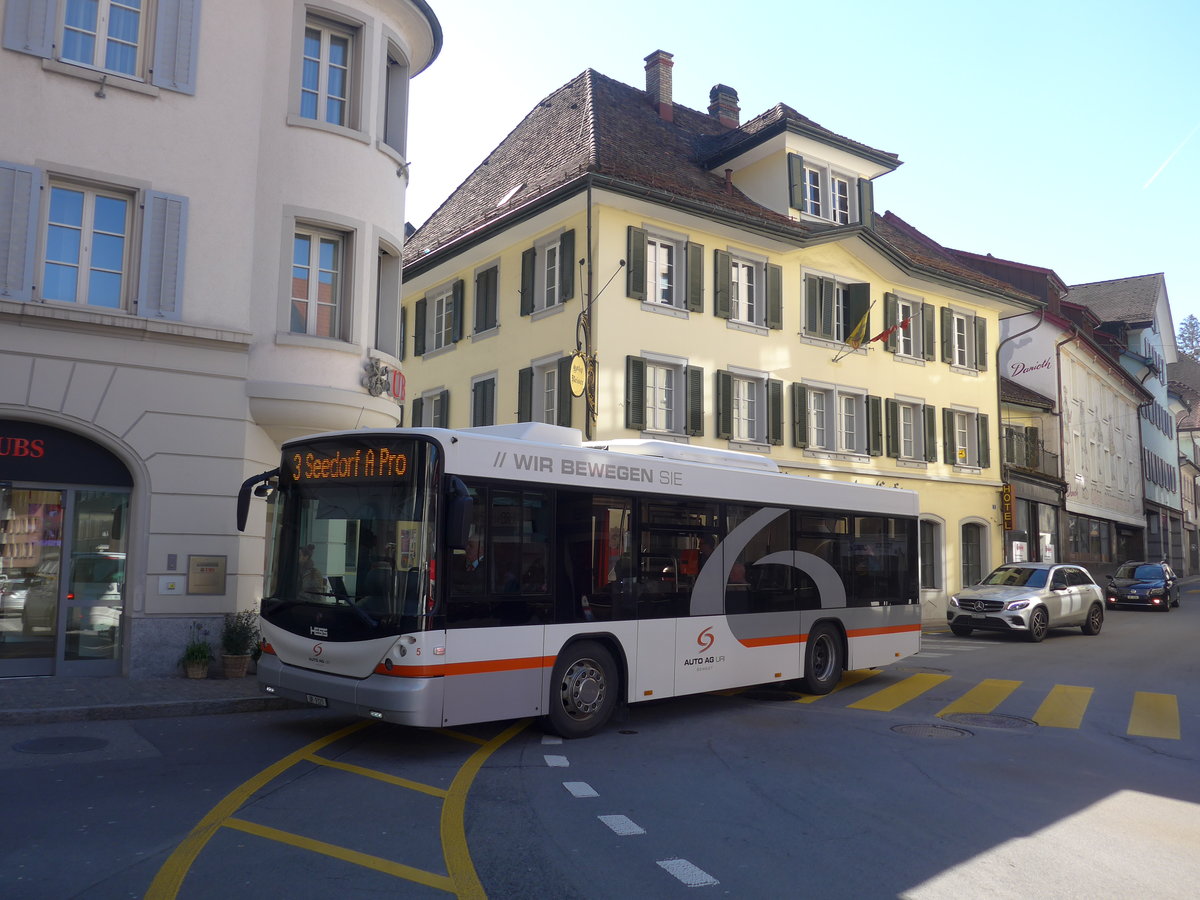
x=29, y=26
x=164, y=238
x=176, y=33
x=19, y=186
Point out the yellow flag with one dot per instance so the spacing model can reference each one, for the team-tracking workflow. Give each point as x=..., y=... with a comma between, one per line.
x=857, y=336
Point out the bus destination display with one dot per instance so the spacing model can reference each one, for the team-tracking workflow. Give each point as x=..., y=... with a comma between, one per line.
x=331, y=462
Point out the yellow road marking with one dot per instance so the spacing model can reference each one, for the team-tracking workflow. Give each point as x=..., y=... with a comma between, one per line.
x=900, y=693
x=982, y=698
x=462, y=736
x=1063, y=707
x=853, y=677
x=376, y=774
x=366, y=860
x=1154, y=715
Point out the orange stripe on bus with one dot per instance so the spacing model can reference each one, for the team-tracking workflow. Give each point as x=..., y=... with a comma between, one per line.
x=479, y=667
x=778, y=640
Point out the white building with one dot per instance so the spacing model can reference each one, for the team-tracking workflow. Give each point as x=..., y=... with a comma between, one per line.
x=201, y=220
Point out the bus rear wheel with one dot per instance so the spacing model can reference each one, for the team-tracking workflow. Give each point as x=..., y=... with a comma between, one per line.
x=822, y=660
x=583, y=690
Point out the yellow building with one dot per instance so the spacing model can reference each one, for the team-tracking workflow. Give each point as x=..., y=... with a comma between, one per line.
x=722, y=284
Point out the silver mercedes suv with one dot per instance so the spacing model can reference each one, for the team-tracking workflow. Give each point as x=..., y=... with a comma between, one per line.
x=1029, y=599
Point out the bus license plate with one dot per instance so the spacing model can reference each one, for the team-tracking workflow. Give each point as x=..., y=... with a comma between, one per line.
x=315, y=700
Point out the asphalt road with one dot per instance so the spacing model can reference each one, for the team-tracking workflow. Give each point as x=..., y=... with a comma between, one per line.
x=983, y=767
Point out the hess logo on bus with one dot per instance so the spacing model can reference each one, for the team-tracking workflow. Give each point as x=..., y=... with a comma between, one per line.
x=704, y=641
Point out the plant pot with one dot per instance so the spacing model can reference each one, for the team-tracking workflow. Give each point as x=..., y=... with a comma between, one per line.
x=195, y=668
x=235, y=666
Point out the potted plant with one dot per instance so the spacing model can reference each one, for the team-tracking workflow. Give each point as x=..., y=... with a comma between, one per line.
x=197, y=653
x=239, y=637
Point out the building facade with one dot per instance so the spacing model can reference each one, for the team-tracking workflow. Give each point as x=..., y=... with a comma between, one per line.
x=204, y=213
x=634, y=268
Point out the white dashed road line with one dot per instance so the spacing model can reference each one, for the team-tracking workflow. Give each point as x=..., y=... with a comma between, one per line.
x=580, y=789
x=622, y=825
x=557, y=762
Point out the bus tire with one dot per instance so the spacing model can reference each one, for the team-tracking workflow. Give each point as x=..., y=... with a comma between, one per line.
x=822, y=660
x=583, y=690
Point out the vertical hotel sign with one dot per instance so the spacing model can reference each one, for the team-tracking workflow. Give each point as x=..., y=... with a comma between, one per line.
x=1008, y=507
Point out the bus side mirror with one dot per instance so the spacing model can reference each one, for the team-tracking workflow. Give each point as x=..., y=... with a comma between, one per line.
x=258, y=485
x=460, y=507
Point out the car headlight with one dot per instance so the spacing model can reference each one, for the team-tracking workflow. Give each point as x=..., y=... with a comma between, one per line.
x=954, y=601
x=1155, y=592
x=1019, y=604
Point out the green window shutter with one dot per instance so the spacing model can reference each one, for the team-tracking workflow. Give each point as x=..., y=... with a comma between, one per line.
x=892, y=414
x=799, y=415
x=635, y=393
x=525, y=395
x=418, y=410
x=947, y=335
x=874, y=426
x=722, y=283
x=948, y=454
x=891, y=314
x=694, y=377
x=419, y=327
x=635, y=269
x=928, y=335
x=866, y=202
x=456, y=300
x=981, y=347
x=478, y=390
x=695, y=277
x=443, y=420
x=566, y=266
x=858, y=305
x=930, y=413
x=984, y=442
x=564, y=391
x=724, y=389
x=795, y=165
x=528, y=272
x=485, y=286
x=403, y=331
x=828, y=299
x=775, y=297
x=1033, y=448
x=774, y=412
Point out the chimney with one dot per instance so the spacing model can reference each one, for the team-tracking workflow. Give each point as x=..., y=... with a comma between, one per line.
x=658, y=83
x=724, y=105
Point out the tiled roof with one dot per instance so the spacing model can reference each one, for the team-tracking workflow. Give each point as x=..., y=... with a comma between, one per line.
x=594, y=125
x=1012, y=392
x=1119, y=300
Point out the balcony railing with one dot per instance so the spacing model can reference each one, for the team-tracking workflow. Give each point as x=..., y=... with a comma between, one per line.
x=1025, y=452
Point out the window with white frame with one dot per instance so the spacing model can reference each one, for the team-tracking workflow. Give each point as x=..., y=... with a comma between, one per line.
x=966, y=438
x=432, y=409
x=905, y=315
x=661, y=270
x=548, y=276
x=961, y=350
x=547, y=279
x=87, y=246
x=837, y=419
x=120, y=43
x=909, y=428
x=661, y=404
x=328, y=72
x=441, y=332
x=973, y=552
x=749, y=407
x=833, y=307
x=318, y=266
x=439, y=318
x=746, y=293
x=931, y=544
x=663, y=394
x=964, y=339
x=747, y=414
x=545, y=393
x=104, y=34
x=819, y=190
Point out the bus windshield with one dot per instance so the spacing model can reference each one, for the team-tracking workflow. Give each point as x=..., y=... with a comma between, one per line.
x=352, y=537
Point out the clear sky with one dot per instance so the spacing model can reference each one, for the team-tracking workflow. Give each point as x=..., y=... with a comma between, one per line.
x=1059, y=133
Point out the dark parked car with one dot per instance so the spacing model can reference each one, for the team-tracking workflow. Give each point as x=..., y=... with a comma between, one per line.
x=1144, y=584
x=1029, y=599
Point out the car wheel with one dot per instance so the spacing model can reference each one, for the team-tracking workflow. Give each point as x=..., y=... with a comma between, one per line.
x=822, y=660
x=1095, y=620
x=583, y=690
x=1039, y=624
x=1176, y=603
x=961, y=630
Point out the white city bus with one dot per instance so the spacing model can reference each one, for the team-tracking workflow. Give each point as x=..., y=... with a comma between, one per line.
x=437, y=577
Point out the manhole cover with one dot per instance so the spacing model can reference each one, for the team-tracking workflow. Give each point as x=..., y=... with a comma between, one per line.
x=931, y=731
x=60, y=745
x=989, y=720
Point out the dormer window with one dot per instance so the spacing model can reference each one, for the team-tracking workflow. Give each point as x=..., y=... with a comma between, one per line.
x=818, y=190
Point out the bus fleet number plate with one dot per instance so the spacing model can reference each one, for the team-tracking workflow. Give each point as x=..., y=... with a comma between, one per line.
x=315, y=700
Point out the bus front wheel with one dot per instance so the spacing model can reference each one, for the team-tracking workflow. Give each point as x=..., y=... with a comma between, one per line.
x=822, y=660
x=583, y=690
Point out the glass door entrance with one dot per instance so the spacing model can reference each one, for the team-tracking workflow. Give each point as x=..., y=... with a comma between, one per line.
x=62, y=579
